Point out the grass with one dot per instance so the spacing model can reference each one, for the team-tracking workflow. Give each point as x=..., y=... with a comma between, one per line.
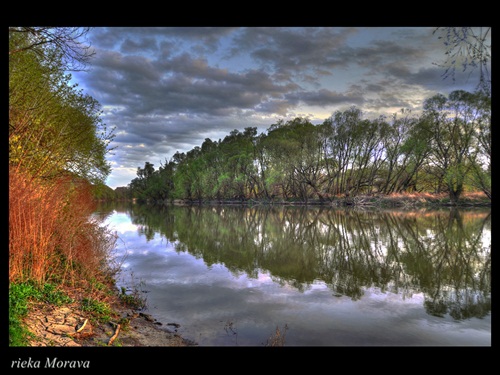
x=52, y=295
x=21, y=295
x=133, y=300
x=100, y=310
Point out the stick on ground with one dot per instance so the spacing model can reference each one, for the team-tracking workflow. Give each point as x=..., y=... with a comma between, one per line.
x=117, y=331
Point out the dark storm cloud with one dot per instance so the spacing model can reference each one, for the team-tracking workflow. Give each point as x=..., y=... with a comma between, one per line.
x=172, y=133
x=382, y=53
x=131, y=46
x=433, y=78
x=291, y=51
x=323, y=98
x=428, y=78
x=110, y=37
x=182, y=84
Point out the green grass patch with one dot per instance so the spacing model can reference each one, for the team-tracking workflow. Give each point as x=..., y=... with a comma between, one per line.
x=101, y=310
x=20, y=297
x=133, y=300
x=97, y=285
x=54, y=296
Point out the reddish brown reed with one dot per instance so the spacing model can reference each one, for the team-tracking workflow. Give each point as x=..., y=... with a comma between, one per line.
x=51, y=235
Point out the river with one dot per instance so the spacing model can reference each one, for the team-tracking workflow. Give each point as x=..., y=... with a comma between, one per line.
x=309, y=276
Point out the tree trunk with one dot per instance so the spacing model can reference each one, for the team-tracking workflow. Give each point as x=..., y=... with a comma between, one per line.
x=455, y=194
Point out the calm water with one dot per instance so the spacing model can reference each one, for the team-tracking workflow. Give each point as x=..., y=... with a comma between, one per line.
x=232, y=276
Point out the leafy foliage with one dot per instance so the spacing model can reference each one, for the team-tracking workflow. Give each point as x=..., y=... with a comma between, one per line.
x=53, y=126
x=447, y=148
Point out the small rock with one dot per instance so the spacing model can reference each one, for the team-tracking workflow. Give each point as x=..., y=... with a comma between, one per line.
x=61, y=329
x=71, y=343
x=65, y=310
x=148, y=317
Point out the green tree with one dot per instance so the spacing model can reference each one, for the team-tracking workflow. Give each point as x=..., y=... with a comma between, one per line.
x=237, y=152
x=406, y=147
x=480, y=158
x=294, y=158
x=153, y=185
x=187, y=175
x=140, y=185
x=453, y=124
x=53, y=126
x=343, y=133
x=263, y=165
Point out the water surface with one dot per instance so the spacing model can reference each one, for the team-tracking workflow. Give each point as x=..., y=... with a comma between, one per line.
x=232, y=276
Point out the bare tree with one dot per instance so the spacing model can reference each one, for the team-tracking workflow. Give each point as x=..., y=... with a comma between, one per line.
x=71, y=41
x=468, y=48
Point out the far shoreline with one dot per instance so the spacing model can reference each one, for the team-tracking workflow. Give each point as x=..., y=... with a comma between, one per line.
x=375, y=201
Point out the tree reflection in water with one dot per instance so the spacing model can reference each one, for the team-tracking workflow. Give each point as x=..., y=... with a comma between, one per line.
x=444, y=254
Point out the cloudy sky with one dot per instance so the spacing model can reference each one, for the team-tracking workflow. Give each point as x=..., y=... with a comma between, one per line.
x=168, y=89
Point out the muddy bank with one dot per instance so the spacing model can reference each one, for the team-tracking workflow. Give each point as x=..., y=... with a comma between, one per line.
x=69, y=326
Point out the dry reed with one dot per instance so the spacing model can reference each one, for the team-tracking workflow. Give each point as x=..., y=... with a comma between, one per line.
x=51, y=235
x=278, y=338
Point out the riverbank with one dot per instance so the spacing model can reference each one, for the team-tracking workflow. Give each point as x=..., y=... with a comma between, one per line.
x=70, y=326
x=406, y=200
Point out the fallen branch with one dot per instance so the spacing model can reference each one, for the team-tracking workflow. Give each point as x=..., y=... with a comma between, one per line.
x=82, y=327
x=117, y=331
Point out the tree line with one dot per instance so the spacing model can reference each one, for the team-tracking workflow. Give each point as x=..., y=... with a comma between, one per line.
x=445, y=149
